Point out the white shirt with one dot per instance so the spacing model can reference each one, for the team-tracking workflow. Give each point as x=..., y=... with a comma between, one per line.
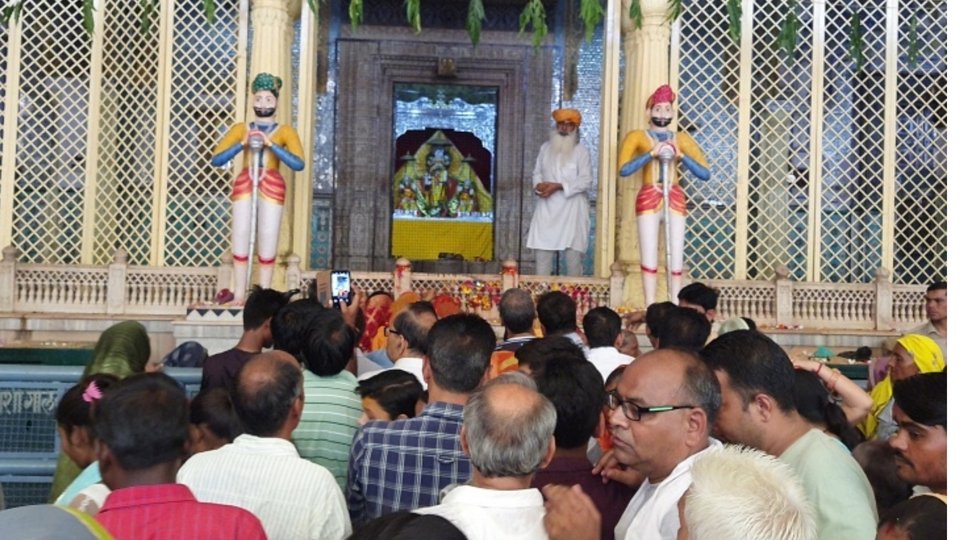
x=652, y=513
x=562, y=220
x=492, y=514
x=409, y=364
x=294, y=498
x=607, y=359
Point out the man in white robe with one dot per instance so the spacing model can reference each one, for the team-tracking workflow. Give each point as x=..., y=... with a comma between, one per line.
x=561, y=180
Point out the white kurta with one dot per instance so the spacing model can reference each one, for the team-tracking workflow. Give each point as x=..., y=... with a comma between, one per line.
x=652, y=513
x=562, y=220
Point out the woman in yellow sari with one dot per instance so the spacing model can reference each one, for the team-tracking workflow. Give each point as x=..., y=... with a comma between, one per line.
x=913, y=354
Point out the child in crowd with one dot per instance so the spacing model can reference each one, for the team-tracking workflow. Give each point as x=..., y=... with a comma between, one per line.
x=605, y=442
x=391, y=395
x=77, y=437
x=213, y=422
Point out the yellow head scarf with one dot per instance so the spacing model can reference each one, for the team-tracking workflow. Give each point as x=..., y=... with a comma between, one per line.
x=929, y=359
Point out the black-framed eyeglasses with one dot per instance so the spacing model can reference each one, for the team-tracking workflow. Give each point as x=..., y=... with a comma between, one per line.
x=393, y=331
x=635, y=412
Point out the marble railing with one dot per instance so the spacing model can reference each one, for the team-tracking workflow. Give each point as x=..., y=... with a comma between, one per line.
x=131, y=291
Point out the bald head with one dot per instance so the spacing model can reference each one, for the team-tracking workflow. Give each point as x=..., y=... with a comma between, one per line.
x=508, y=427
x=684, y=378
x=265, y=392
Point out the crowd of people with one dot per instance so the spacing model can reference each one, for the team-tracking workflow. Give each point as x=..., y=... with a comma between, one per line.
x=556, y=429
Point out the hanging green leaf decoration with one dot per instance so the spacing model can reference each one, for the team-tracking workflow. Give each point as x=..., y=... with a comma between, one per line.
x=735, y=16
x=10, y=12
x=210, y=10
x=913, y=47
x=355, y=12
x=855, y=51
x=636, y=14
x=787, y=38
x=591, y=13
x=475, y=17
x=314, y=7
x=88, y=16
x=676, y=8
x=413, y=14
x=147, y=9
x=534, y=15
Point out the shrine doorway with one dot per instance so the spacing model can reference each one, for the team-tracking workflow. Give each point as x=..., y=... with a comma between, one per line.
x=516, y=83
x=443, y=182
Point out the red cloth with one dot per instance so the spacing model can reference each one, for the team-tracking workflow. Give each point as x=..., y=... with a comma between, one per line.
x=650, y=200
x=164, y=511
x=272, y=186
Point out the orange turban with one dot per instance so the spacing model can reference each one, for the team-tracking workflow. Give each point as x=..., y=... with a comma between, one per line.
x=567, y=115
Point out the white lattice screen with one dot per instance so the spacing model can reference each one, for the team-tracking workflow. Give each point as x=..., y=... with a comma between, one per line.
x=202, y=107
x=127, y=135
x=823, y=190
x=852, y=192
x=920, y=233
x=52, y=127
x=708, y=103
x=114, y=132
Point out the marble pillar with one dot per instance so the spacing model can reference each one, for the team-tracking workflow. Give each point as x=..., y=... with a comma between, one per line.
x=647, y=65
x=272, y=27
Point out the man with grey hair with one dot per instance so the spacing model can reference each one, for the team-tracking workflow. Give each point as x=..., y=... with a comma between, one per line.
x=407, y=340
x=508, y=435
x=663, y=410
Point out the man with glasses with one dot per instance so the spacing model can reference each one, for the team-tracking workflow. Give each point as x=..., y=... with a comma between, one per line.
x=407, y=339
x=759, y=410
x=663, y=412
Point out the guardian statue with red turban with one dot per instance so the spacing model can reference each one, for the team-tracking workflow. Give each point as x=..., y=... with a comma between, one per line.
x=641, y=151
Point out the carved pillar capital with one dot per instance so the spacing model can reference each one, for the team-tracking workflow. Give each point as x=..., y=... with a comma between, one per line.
x=285, y=8
x=655, y=13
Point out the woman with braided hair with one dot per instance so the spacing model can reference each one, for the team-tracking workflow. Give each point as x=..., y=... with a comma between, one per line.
x=280, y=144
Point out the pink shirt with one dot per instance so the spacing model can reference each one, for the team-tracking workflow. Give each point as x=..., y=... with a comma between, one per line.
x=165, y=511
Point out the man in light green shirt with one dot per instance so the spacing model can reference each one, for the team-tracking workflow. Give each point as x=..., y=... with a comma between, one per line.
x=757, y=385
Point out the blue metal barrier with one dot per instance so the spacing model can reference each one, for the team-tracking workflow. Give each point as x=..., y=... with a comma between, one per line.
x=29, y=444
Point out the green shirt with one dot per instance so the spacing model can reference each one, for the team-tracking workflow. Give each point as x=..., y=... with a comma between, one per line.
x=836, y=487
x=330, y=412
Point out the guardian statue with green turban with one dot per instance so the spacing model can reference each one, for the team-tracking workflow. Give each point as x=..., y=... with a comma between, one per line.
x=265, y=144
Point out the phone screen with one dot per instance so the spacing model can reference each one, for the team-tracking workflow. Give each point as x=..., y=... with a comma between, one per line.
x=340, y=286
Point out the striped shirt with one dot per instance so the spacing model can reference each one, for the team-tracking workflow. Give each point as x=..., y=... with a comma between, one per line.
x=403, y=464
x=293, y=498
x=330, y=412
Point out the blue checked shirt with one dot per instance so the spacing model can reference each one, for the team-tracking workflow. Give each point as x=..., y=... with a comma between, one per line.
x=403, y=465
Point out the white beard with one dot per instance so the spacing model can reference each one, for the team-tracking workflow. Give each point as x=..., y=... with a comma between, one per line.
x=562, y=145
